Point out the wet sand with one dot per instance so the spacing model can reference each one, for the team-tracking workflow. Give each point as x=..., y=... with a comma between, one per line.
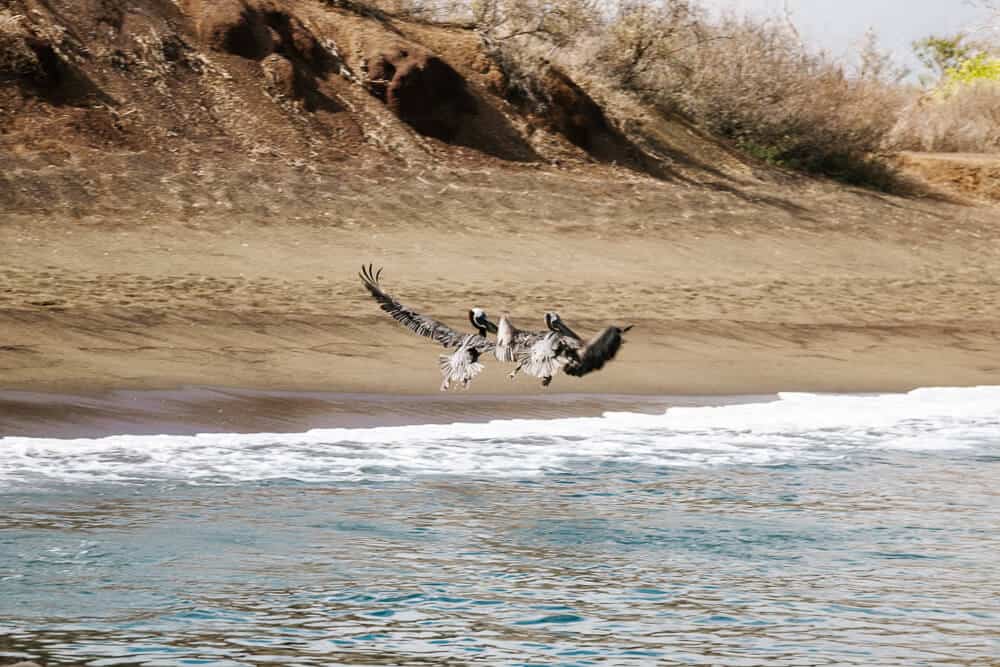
x=213, y=409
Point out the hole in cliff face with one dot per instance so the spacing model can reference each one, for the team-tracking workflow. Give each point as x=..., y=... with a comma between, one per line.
x=57, y=81
x=52, y=71
x=572, y=112
x=254, y=35
x=292, y=60
x=297, y=43
x=432, y=98
x=380, y=75
x=247, y=37
x=174, y=48
x=422, y=90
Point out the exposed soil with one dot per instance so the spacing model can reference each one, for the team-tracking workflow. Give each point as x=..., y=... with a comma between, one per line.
x=964, y=174
x=252, y=80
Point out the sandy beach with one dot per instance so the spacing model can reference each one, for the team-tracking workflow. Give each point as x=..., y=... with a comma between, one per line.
x=730, y=292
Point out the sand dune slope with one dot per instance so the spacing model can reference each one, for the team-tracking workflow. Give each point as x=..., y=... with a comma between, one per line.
x=835, y=292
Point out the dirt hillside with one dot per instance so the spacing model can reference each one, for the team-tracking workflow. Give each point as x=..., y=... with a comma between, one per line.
x=968, y=175
x=307, y=83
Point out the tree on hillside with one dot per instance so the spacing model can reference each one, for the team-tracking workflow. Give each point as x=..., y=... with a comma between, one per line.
x=876, y=64
x=555, y=22
x=941, y=53
x=977, y=68
x=960, y=109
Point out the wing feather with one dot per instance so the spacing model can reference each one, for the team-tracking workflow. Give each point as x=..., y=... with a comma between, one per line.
x=415, y=322
x=600, y=350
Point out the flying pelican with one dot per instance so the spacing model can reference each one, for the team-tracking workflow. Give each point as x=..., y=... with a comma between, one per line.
x=561, y=349
x=462, y=365
x=511, y=341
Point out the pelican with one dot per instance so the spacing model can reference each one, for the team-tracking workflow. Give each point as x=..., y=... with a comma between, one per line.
x=460, y=366
x=562, y=349
x=463, y=364
x=511, y=341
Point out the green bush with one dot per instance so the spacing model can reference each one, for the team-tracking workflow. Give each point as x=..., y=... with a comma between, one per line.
x=980, y=67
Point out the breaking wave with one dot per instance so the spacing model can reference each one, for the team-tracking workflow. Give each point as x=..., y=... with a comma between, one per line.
x=795, y=428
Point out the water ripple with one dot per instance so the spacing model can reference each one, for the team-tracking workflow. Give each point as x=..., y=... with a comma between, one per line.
x=883, y=556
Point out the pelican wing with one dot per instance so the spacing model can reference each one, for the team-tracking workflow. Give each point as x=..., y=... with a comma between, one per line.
x=462, y=365
x=522, y=344
x=597, y=352
x=415, y=322
x=544, y=358
x=523, y=340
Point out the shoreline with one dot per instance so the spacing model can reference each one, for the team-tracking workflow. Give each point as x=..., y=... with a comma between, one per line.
x=204, y=409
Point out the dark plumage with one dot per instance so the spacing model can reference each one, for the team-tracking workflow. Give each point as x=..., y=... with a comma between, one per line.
x=561, y=349
x=600, y=350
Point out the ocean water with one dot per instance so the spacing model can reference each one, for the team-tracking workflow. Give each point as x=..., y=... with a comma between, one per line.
x=809, y=530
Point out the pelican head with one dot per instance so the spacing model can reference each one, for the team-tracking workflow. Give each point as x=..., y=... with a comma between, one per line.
x=555, y=324
x=482, y=324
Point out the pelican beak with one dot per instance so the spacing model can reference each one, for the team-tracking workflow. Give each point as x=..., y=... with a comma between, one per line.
x=491, y=328
x=565, y=330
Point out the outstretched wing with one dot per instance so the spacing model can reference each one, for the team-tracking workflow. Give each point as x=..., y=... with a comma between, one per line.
x=597, y=352
x=520, y=343
x=418, y=324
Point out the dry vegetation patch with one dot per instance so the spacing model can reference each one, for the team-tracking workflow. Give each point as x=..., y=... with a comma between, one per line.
x=750, y=81
x=966, y=119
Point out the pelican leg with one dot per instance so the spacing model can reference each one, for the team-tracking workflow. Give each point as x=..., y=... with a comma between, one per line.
x=547, y=380
x=513, y=373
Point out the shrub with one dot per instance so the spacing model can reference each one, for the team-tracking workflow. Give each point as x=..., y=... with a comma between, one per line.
x=754, y=82
x=749, y=80
x=939, y=54
x=557, y=23
x=960, y=114
x=980, y=67
x=965, y=119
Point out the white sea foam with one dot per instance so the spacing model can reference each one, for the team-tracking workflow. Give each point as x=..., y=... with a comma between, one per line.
x=806, y=428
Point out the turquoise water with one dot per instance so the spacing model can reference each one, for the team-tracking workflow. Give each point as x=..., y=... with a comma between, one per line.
x=814, y=530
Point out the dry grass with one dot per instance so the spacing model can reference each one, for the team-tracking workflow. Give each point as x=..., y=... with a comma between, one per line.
x=15, y=56
x=11, y=23
x=21, y=37
x=754, y=82
x=966, y=121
